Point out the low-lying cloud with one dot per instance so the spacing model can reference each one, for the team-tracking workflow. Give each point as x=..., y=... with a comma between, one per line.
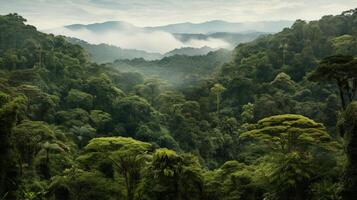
x=150, y=41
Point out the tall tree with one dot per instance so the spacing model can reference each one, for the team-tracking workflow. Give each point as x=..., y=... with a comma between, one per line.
x=342, y=70
x=9, y=111
x=126, y=155
x=129, y=163
x=350, y=176
x=217, y=89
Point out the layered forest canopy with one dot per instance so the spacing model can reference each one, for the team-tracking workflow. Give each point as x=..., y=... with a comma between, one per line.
x=104, y=53
x=183, y=127
x=178, y=70
x=271, y=72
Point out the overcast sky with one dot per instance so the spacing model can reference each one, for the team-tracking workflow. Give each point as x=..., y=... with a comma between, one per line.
x=47, y=14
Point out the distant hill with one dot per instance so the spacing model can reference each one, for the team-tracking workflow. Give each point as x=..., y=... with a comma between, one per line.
x=209, y=27
x=185, y=33
x=105, y=26
x=223, y=26
x=214, y=34
x=189, y=51
x=178, y=70
x=104, y=53
x=232, y=38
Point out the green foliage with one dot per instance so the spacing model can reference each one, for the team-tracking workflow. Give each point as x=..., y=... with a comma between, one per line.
x=104, y=91
x=79, y=99
x=180, y=71
x=150, y=89
x=132, y=111
x=301, y=146
x=345, y=44
x=71, y=186
x=272, y=71
x=288, y=133
x=29, y=136
x=217, y=89
x=247, y=114
x=290, y=178
x=326, y=190
x=127, y=156
x=172, y=176
x=9, y=114
x=73, y=117
x=234, y=180
x=41, y=105
x=189, y=128
x=340, y=69
x=349, y=179
x=101, y=120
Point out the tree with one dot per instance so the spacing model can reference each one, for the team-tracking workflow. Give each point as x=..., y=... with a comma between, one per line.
x=70, y=186
x=103, y=91
x=234, y=180
x=83, y=133
x=291, y=133
x=101, y=120
x=150, y=89
x=36, y=142
x=127, y=155
x=275, y=103
x=350, y=176
x=299, y=144
x=128, y=80
x=290, y=178
x=342, y=70
x=11, y=59
x=167, y=100
x=28, y=137
x=344, y=45
x=49, y=147
x=132, y=111
x=172, y=177
x=284, y=48
x=248, y=113
x=73, y=117
x=79, y=99
x=284, y=82
x=130, y=162
x=217, y=89
x=42, y=105
x=10, y=110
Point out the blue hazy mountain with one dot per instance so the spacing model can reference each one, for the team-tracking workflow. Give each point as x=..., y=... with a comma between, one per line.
x=223, y=26
x=105, y=26
x=232, y=38
x=190, y=51
x=104, y=53
x=193, y=28
x=218, y=30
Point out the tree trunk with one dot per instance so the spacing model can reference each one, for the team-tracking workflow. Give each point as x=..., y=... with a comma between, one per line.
x=218, y=102
x=349, y=191
x=343, y=102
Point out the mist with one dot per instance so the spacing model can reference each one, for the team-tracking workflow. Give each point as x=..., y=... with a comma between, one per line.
x=150, y=41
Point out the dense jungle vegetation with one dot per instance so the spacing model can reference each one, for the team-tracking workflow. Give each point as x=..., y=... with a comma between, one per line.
x=276, y=121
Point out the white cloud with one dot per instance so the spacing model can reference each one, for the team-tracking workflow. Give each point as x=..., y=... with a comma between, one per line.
x=156, y=41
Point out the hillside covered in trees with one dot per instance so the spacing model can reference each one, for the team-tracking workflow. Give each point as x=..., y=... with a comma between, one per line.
x=276, y=120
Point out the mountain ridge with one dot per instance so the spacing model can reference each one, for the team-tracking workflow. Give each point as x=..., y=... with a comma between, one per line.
x=189, y=27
